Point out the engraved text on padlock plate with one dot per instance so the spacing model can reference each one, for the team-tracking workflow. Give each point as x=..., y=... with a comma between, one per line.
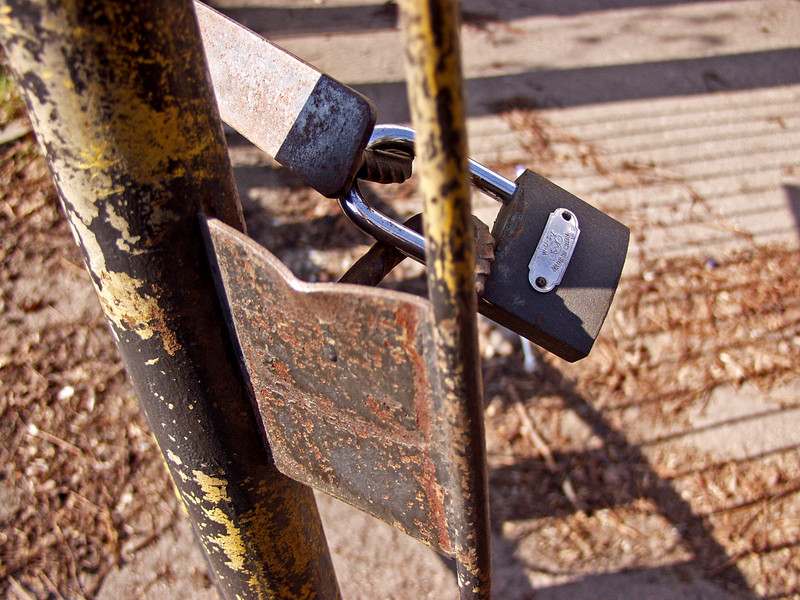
x=552, y=256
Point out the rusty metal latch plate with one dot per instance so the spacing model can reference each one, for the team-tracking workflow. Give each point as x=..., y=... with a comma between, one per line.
x=310, y=123
x=343, y=380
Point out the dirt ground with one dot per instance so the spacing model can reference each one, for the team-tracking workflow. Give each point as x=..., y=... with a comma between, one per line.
x=669, y=455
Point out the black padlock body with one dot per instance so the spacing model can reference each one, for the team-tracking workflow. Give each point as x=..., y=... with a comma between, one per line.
x=566, y=320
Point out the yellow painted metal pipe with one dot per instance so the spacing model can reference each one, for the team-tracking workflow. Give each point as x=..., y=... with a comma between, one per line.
x=435, y=90
x=120, y=99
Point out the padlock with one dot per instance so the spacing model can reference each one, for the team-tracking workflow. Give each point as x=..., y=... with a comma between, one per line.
x=558, y=260
x=557, y=265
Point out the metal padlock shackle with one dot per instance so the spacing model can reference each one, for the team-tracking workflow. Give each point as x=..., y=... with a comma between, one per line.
x=389, y=231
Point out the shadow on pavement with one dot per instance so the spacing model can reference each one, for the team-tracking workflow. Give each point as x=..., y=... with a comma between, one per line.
x=793, y=197
x=614, y=474
x=317, y=20
x=596, y=85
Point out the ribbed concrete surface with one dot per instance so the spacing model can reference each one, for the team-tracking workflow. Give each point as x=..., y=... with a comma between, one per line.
x=712, y=173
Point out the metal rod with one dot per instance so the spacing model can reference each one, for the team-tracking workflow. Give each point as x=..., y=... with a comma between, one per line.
x=120, y=100
x=381, y=227
x=379, y=261
x=433, y=71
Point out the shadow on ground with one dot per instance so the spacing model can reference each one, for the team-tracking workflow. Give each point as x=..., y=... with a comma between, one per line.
x=384, y=15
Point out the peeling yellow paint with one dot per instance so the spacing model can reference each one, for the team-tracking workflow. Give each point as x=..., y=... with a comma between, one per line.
x=230, y=542
x=215, y=490
x=288, y=545
x=174, y=457
x=95, y=156
x=132, y=310
x=126, y=306
x=85, y=238
x=125, y=241
x=433, y=70
x=175, y=489
x=104, y=139
x=435, y=92
x=190, y=498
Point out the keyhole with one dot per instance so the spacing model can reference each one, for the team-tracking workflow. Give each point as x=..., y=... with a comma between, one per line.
x=541, y=282
x=566, y=216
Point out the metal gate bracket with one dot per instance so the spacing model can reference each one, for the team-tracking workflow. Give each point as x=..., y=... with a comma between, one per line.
x=346, y=385
x=311, y=124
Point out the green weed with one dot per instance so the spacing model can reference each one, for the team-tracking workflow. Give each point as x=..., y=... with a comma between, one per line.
x=11, y=105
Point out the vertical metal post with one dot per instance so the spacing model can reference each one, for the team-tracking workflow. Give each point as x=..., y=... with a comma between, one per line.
x=120, y=100
x=433, y=71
